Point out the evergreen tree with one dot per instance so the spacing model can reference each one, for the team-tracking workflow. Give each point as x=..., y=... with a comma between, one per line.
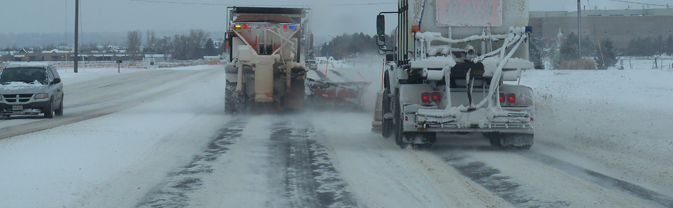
x=669, y=45
x=555, y=52
x=569, y=48
x=606, y=56
x=536, y=53
x=659, y=45
x=209, y=48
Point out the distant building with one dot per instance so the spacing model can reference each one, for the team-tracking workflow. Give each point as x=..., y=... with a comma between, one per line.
x=619, y=25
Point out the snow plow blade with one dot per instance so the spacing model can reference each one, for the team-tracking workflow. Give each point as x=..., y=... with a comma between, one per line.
x=335, y=95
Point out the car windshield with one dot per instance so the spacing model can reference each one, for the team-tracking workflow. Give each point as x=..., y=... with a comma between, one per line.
x=27, y=75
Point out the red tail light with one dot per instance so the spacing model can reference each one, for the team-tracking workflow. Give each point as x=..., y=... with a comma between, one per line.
x=245, y=26
x=511, y=98
x=425, y=97
x=502, y=97
x=435, y=96
x=284, y=26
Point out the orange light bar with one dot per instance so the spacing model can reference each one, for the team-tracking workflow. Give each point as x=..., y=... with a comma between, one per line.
x=415, y=28
x=238, y=26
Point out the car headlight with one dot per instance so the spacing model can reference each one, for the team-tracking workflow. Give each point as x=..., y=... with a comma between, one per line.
x=41, y=96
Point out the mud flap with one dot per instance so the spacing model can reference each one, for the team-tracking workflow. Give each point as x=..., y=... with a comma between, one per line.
x=510, y=140
x=234, y=103
x=516, y=140
x=294, y=98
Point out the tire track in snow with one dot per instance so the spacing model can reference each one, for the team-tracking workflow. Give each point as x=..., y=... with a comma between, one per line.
x=173, y=191
x=602, y=179
x=501, y=185
x=303, y=167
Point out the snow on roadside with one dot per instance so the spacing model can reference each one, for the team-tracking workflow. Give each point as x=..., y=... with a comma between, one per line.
x=617, y=119
x=87, y=74
x=110, y=160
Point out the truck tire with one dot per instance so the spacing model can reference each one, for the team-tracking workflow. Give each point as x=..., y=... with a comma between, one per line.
x=49, y=110
x=387, y=124
x=399, y=127
x=234, y=103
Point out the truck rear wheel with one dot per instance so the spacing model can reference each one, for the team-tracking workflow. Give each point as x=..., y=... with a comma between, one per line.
x=387, y=124
x=399, y=127
x=234, y=103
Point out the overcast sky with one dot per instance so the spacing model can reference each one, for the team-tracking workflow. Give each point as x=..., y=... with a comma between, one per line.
x=57, y=16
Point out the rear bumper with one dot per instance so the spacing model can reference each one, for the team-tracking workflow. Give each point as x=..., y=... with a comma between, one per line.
x=516, y=120
x=31, y=108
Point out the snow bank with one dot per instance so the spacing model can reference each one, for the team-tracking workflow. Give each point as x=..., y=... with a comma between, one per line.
x=618, y=119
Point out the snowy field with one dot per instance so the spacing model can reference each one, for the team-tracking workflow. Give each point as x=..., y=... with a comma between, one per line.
x=159, y=138
x=618, y=119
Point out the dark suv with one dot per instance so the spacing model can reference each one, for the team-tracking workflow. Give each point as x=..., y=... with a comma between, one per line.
x=30, y=89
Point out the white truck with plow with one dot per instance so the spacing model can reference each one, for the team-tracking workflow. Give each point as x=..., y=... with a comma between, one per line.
x=448, y=68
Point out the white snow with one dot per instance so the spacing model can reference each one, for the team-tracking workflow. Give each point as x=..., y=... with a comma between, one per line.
x=86, y=74
x=20, y=85
x=616, y=122
x=620, y=120
x=81, y=164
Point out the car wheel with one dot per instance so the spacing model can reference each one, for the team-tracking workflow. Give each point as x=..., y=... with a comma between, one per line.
x=49, y=110
x=59, y=111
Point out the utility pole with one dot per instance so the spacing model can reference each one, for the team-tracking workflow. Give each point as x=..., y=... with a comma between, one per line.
x=579, y=28
x=76, y=33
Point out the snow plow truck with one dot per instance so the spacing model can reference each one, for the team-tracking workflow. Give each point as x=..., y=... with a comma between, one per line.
x=271, y=50
x=448, y=68
x=266, y=55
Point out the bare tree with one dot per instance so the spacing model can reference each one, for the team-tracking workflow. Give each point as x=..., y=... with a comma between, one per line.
x=134, y=41
x=151, y=42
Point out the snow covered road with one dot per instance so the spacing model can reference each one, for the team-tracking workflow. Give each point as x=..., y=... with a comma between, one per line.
x=159, y=138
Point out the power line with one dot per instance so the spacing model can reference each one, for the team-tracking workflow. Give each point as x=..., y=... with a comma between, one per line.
x=641, y=3
x=221, y=4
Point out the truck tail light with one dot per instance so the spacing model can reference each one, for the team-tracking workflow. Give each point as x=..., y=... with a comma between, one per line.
x=511, y=98
x=435, y=96
x=245, y=26
x=425, y=97
x=502, y=97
